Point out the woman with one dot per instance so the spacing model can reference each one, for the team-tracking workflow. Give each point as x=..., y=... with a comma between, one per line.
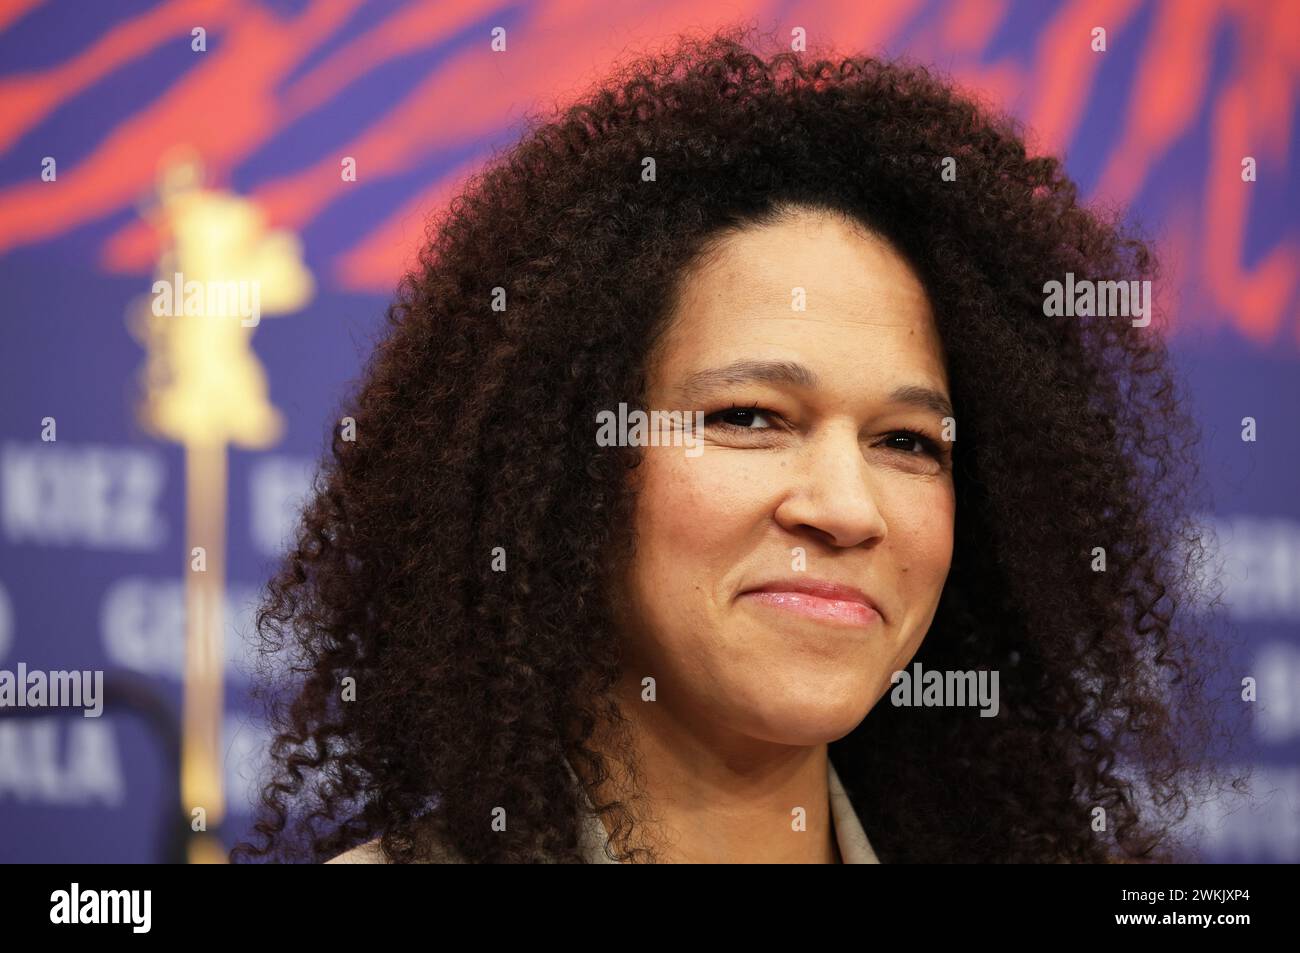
x=874, y=451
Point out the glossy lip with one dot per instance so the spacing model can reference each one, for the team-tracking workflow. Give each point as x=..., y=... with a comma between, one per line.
x=817, y=599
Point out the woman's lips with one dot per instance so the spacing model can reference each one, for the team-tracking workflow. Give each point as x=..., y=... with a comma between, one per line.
x=842, y=609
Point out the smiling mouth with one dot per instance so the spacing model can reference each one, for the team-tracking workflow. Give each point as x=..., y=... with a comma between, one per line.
x=841, y=611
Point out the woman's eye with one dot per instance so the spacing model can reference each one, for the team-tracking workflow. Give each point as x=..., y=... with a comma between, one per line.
x=743, y=418
x=911, y=443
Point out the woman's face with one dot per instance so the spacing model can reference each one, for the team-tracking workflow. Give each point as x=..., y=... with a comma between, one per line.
x=816, y=479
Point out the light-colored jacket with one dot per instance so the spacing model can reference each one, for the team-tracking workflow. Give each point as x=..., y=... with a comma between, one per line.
x=593, y=839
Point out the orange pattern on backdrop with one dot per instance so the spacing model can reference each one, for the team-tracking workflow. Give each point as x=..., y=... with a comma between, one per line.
x=270, y=70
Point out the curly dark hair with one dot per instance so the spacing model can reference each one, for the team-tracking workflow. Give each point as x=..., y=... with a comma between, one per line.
x=474, y=429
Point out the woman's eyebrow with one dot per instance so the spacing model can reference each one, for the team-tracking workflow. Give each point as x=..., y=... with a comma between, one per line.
x=797, y=375
x=925, y=397
x=748, y=372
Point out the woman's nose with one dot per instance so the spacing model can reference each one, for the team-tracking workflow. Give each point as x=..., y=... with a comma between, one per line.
x=831, y=492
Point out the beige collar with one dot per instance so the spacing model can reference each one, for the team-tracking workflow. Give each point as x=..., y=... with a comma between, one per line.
x=852, y=839
x=854, y=846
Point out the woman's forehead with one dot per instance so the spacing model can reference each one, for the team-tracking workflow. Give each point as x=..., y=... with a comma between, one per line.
x=819, y=293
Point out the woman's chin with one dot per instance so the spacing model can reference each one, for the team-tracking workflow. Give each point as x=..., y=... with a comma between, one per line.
x=808, y=721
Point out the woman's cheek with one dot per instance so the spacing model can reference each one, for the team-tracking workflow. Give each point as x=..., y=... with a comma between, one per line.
x=921, y=533
x=712, y=493
x=682, y=511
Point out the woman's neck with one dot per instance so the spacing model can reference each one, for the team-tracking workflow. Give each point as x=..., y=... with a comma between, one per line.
x=710, y=797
